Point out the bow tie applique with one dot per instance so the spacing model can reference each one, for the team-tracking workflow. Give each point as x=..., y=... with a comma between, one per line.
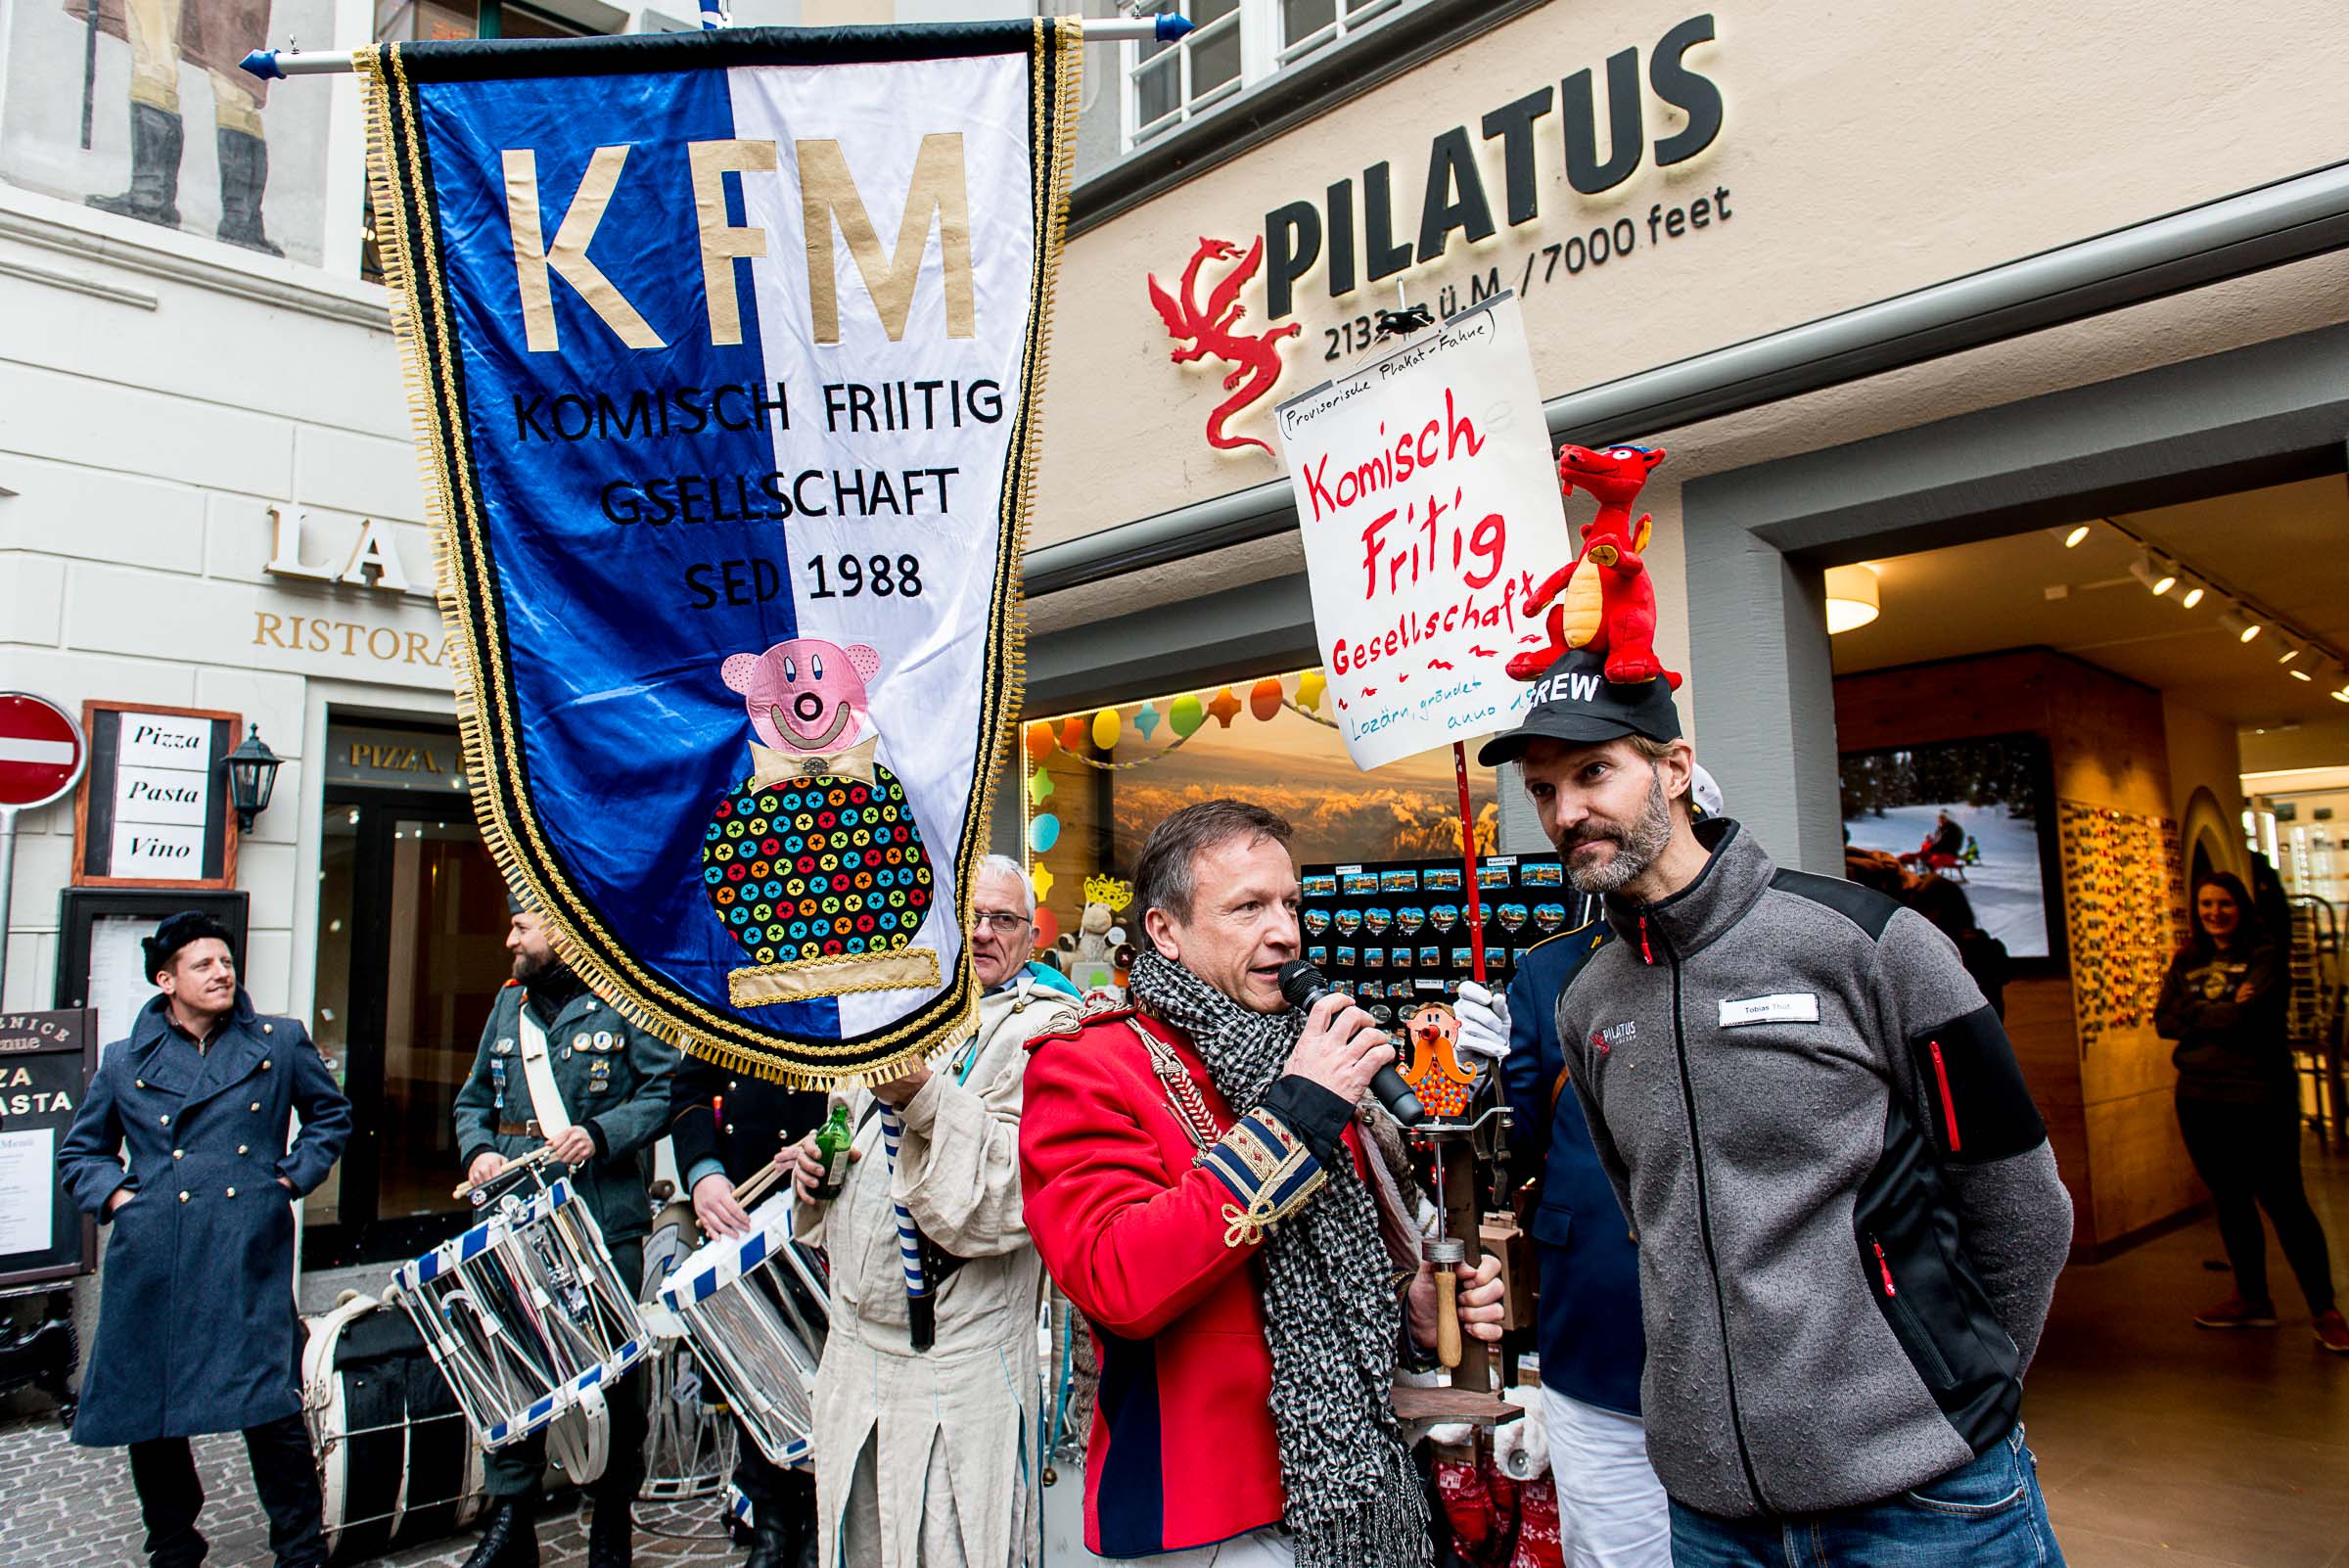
x=769, y=765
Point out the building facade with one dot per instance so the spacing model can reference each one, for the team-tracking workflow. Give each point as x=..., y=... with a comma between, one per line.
x=1877, y=283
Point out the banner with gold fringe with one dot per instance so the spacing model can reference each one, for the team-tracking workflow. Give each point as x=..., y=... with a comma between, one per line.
x=725, y=350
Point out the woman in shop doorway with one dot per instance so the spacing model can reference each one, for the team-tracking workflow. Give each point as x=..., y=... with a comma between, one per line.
x=2239, y=1105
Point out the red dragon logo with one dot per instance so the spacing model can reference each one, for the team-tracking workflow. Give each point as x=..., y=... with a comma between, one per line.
x=1205, y=331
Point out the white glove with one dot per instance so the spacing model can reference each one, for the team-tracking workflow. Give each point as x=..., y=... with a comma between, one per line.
x=1484, y=1023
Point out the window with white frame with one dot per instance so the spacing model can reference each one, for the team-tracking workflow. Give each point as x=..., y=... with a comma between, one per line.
x=1234, y=45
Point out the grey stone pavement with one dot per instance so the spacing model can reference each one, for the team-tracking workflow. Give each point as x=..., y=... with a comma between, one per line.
x=63, y=1506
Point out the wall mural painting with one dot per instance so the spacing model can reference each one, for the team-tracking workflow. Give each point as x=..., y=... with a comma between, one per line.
x=139, y=110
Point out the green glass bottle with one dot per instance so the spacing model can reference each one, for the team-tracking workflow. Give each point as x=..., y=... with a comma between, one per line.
x=832, y=1144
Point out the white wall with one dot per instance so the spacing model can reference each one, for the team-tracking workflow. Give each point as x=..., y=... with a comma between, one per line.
x=157, y=395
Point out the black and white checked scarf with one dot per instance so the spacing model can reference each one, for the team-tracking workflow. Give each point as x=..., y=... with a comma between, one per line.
x=1331, y=1316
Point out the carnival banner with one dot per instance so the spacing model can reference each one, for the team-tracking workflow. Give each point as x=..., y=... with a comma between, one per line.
x=1430, y=510
x=727, y=349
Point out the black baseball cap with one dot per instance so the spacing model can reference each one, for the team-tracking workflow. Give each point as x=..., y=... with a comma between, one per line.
x=1573, y=702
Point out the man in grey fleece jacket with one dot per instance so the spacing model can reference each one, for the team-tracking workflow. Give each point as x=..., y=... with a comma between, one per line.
x=1849, y=1219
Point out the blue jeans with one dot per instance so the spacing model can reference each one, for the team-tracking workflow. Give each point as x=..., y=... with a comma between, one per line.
x=1987, y=1513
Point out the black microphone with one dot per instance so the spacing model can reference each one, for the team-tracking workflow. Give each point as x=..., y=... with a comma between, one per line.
x=1303, y=987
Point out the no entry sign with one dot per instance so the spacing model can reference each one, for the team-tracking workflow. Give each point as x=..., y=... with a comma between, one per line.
x=41, y=751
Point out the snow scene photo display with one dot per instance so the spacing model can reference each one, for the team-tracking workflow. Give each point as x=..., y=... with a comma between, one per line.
x=1967, y=813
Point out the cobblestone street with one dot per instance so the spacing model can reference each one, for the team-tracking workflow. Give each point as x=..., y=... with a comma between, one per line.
x=73, y=1507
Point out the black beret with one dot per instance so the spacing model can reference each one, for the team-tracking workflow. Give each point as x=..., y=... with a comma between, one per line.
x=176, y=932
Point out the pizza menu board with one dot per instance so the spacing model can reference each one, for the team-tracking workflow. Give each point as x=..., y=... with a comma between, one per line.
x=1395, y=933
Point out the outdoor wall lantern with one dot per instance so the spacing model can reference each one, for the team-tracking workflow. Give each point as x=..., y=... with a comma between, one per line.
x=251, y=776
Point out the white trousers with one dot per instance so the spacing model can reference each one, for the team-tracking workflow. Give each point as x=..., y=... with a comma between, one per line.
x=1258, y=1548
x=1612, y=1512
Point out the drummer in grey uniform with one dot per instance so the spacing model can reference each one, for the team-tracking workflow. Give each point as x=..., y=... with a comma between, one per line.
x=560, y=1070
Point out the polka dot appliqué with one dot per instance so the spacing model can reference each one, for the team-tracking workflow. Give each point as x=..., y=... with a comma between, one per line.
x=862, y=881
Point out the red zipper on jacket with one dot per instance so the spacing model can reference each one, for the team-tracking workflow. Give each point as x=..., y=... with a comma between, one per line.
x=1949, y=1107
x=1885, y=1268
x=1645, y=955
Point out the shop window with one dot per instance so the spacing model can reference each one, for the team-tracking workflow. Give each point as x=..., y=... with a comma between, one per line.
x=1089, y=806
x=1237, y=44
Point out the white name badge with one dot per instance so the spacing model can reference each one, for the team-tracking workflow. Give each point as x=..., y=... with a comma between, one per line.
x=1793, y=1008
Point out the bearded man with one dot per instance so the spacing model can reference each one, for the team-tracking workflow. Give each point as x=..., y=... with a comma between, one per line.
x=1848, y=1217
x=1200, y=1188
x=559, y=1070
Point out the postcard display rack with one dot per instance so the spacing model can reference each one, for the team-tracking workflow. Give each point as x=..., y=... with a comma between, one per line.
x=2124, y=895
x=1395, y=933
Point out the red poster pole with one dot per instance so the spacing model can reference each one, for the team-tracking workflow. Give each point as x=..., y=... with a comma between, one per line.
x=1476, y=913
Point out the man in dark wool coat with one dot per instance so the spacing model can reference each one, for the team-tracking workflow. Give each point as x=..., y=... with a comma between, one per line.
x=197, y=1328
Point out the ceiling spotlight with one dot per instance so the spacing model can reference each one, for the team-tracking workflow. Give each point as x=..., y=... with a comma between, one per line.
x=2072, y=540
x=2342, y=694
x=2300, y=675
x=2244, y=630
x=2289, y=654
x=2193, y=595
x=2158, y=578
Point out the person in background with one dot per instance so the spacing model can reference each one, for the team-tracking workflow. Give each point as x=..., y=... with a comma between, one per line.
x=725, y=1128
x=1850, y=1222
x=925, y=1459
x=197, y=1329
x=2238, y=1106
x=1201, y=1185
x=599, y=1102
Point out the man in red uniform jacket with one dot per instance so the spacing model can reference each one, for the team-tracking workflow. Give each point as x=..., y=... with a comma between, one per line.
x=1196, y=1183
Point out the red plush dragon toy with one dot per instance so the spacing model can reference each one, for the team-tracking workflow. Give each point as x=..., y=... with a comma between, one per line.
x=1602, y=599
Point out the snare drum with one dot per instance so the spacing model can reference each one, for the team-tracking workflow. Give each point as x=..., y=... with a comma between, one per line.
x=753, y=1310
x=523, y=1314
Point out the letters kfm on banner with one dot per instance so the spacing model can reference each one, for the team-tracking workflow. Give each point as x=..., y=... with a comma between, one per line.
x=1429, y=506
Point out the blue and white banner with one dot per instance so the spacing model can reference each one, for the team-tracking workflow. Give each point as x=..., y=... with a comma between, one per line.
x=727, y=349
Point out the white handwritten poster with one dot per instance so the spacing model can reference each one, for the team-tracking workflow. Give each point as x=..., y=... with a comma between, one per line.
x=1428, y=499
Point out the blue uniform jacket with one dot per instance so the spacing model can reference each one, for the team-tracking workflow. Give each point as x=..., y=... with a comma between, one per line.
x=196, y=1323
x=1593, y=1346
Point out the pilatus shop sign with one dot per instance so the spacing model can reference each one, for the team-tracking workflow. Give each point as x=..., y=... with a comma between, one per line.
x=1454, y=198
x=727, y=347
x=1380, y=230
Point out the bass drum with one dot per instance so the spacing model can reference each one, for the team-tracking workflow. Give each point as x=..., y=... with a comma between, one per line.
x=396, y=1464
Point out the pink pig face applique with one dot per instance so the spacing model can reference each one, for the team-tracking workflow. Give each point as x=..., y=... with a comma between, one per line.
x=815, y=864
x=806, y=694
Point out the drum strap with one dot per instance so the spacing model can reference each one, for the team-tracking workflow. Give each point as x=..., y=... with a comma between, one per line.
x=538, y=1076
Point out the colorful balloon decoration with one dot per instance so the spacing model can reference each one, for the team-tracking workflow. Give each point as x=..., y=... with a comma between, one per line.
x=1186, y=713
x=1040, y=878
x=1147, y=719
x=1040, y=741
x=1265, y=701
x=1048, y=927
x=1043, y=831
x=1039, y=785
x=1309, y=687
x=1106, y=725
x=1073, y=731
x=1225, y=708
